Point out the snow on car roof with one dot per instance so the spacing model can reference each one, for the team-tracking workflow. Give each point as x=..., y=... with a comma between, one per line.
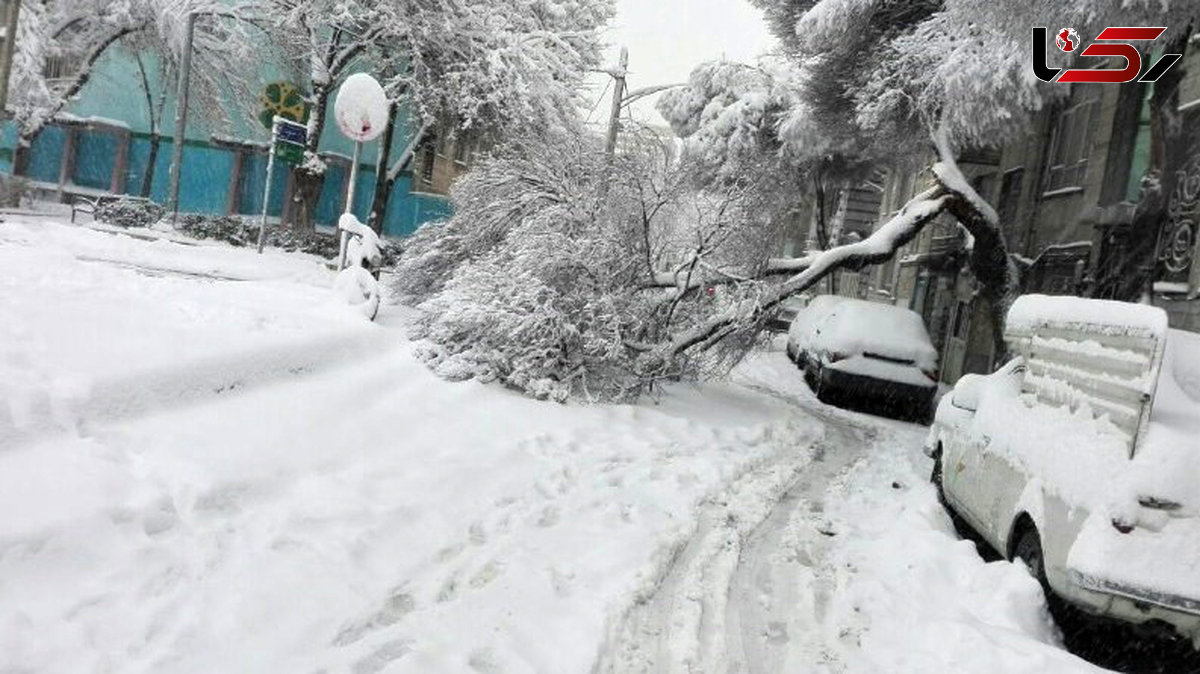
x=807, y=317
x=1030, y=311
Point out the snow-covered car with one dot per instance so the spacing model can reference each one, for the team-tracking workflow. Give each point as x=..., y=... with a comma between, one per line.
x=852, y=349
x=1081, y=457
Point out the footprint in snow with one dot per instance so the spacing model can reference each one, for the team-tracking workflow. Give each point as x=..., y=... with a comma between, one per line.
x=549, y=516
x=490, y=571
x=398, y=604
x=477, y=534
x=483, y=661
x=383, y=656
x=448, y=553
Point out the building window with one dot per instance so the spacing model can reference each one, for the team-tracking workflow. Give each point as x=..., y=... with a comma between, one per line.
x=1140, y=159
x=982, y=184
x=462, y=149
x=1010, y=197
x=429, y=154
x=960, y=320
x=1073, y=141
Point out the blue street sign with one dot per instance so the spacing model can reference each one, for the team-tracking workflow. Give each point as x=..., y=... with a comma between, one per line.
x=289, y=132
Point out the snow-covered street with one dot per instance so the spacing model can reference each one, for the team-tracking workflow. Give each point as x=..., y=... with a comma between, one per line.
x=850, y=565
x=187, y=496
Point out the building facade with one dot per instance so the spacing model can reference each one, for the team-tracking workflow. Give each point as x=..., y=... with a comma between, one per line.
x=1069, y=195
x=104, y=144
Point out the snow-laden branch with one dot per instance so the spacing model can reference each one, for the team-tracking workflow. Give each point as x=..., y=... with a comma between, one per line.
x=880, y=246
x=394, y=172
x=989, y=260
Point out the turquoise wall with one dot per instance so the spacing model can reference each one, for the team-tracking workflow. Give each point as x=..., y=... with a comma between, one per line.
x=115, y=93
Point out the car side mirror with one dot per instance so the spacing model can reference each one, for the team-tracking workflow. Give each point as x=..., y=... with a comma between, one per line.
x=966, y=392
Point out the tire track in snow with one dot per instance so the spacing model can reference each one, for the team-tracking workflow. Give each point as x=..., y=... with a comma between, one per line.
x=746, y=592
x=782, y=585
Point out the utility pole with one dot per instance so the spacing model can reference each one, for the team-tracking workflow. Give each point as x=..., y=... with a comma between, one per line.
x=181, y=106
x=622, y=97
x=11, y=9
x=618, y=101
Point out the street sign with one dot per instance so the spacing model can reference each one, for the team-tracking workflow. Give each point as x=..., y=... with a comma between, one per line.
x=289, y=152
x=361, y=111
x=291, y=133
x=361, y=108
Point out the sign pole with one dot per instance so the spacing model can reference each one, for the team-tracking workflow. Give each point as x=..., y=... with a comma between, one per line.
x=349, y=203
x=262, y=224
x=181, y=110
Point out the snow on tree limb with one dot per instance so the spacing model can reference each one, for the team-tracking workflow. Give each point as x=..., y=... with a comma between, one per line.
x=947, y=173
x=881, y=245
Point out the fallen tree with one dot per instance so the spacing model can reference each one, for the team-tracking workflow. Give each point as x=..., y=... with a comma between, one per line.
x=868, y=83
x=563, y=273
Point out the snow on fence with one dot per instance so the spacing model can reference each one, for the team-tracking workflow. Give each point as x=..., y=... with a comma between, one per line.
x=1105, y=355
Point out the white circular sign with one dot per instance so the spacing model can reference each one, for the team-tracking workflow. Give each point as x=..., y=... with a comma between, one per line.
x=361, y=108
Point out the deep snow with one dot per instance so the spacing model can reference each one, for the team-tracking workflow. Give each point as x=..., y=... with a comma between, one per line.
x=358, y=514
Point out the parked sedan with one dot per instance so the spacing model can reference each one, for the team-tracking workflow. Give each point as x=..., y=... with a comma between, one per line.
x=853, y=351
x=1081, y=459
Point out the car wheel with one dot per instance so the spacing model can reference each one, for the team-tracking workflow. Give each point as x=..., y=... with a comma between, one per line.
x=936, y=478
x=1029, y=550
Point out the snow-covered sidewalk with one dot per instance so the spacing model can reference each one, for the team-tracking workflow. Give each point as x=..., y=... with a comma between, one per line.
x=98, y=326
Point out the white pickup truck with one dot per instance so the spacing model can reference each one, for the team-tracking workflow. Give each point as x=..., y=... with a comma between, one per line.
x=1081, y=457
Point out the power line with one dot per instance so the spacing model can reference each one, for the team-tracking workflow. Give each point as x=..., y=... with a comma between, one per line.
x=597, y=103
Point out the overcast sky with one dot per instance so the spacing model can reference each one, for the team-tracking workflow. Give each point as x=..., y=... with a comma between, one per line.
x=666, y=38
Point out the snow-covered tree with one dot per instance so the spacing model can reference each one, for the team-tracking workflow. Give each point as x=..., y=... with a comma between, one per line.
x=563, y=273
x=59, y=44
x=563, y=268
x=158, y=73
x=480, y=65
x=872, y=80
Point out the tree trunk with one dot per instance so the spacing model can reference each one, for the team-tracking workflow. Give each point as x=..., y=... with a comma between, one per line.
x=308, y=179
x=383, y=184
x=992, y=267
x=151, y=160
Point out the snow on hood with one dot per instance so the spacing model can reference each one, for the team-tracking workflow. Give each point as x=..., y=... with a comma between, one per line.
x=856, y=327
